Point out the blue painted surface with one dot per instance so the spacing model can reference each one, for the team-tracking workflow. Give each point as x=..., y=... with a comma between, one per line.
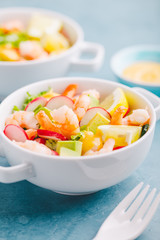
x=28, y=212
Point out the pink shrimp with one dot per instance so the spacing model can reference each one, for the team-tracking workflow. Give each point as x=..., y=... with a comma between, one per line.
x=35, y=147
x=70, y=90
x=107, y=147
x=138, y=117
x=31, y=133
x=23, y=119
x=64, y=121
x=31, y=50
x=12, y=26
x=83, y=102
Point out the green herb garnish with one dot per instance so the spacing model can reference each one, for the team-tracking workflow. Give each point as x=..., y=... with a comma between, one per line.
x=15, y=109
x=30, y=97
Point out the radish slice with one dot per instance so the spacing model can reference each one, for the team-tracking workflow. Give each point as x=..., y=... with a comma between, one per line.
x=59, y=101
x=35, y=103
x=50, y=135
x=14, y=132
x=91, y=112
x=54, y=153
x=116, y=148
x=40, y=140
x=127, y=112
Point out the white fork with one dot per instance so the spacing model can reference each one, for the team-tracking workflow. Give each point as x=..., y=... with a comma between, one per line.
x=129, y=219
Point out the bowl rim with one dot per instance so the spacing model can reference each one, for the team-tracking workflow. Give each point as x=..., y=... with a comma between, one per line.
x=81, y=158
x=65, y=18
x=134, y=48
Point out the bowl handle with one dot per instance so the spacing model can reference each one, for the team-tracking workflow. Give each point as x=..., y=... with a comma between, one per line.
x=93, y=64
x=16, y=173
x=154, y=99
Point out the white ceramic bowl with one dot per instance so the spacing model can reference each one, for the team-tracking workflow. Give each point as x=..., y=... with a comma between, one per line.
x=130, y=55
x=18, y=74
x=75, y=175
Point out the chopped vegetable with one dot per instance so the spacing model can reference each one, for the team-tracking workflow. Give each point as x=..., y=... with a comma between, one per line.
x=144, y=129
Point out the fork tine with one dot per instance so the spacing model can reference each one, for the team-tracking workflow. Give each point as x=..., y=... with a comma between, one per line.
x=129, y=198
x=152, y=210
x=137, y=202
x=145, y=206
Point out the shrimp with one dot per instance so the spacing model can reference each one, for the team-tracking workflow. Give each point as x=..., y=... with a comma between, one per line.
x=70, y=90
x=83, y=102
x=23, y=119
x=32, y=50
x=12, y=26
x=138, y=117
x=64, y=121
x=31, y=133
x=107, y=147
x=92, y=92
x=35, y=147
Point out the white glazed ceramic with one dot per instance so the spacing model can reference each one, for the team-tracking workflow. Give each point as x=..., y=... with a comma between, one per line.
x=130, y=55
x=78, y=175
x=18, y=74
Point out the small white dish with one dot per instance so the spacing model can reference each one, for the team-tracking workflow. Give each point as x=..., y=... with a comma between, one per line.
x=17, y=74
x=133, y=54
x=76, y=175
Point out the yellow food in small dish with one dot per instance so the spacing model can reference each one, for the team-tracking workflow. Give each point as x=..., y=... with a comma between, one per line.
x=146, y=72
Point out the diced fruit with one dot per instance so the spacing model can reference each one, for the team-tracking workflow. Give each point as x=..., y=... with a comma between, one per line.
x=50, y=144
x=40, y=25
x=14, y=132
x=123, y=135
x=96, y=121
x=50, y=135
x=59, y=101
x=116, y=99
x=54, y=42
x=35, y=103
x=94, y=101
x=9, y=54
x=40, y=140
x=75, y=146
x=91, y=112
x=90, y=141
x=66, y=152
x=144, y=129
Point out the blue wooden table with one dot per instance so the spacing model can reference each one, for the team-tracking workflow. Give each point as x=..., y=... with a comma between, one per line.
x=28, y=212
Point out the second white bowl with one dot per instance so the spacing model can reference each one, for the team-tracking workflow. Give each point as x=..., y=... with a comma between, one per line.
x=18, y=74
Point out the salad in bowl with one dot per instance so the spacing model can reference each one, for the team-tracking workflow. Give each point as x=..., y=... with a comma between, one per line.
x=73, y=123
x=76, y=135
x=42, y=36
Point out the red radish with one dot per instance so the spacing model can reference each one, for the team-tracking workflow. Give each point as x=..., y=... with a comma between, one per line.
x=59, y=101
x=91, y=112
x=54, y=153
x=40, y=140
x=127, y=112
x=50, y=135
x=116, y=148
x=35, y=103
x=14, y=132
